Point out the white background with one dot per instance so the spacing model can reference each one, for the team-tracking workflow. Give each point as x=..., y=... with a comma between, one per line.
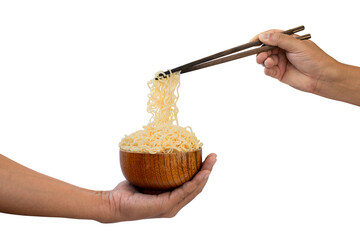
x=73, y=82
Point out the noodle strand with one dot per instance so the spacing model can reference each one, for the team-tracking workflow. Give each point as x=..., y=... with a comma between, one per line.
x=163, y=133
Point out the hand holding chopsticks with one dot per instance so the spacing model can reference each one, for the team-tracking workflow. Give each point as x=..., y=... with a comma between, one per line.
x=221, y=57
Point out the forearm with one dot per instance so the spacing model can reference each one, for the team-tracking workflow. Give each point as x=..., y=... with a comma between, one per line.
x=26, y=192
x=342, y=82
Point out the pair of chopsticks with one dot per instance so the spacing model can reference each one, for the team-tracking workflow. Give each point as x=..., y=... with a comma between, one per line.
x=221, y=57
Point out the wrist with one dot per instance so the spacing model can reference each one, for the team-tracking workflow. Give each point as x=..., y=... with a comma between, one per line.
x=328, y=82
x=102, y=206
x=342, y=82
x=87, y=204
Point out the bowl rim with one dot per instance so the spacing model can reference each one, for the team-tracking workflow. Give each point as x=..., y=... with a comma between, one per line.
x=173, y=153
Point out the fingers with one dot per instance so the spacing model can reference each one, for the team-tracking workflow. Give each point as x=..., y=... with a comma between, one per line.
x=261, y=57
x=267, y=60
x=272, y=72
x=274, y=62
x=255, y=38
x=191, y=196
x=200, y=177
x=275, y=66
x=269, y=31
x=209, y=162
x=187, y=192
x=271, y=61
x=283, y=41
x=283, y=62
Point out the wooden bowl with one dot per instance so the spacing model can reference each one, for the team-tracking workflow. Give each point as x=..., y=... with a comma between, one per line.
x=159, y=172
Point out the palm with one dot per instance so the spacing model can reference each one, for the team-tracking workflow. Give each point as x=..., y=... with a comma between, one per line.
x=135, y=205
x=295, y=78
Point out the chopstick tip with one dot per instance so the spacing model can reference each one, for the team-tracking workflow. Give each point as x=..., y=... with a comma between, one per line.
x=160, y=75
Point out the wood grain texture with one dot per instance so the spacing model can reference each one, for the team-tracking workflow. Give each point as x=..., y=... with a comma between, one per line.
x=162, y=171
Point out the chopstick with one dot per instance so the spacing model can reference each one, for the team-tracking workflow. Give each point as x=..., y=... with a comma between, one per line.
x=236, y=56
x=216, y=58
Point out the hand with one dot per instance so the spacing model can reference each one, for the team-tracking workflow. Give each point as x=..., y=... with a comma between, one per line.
x=298, y=63
x=126, y=203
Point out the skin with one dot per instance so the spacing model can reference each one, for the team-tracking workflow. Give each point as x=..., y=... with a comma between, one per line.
x=27, y=192
x=304, y=66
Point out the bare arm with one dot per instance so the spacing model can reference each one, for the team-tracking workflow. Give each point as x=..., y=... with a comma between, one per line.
x=304, y=66
x=26, y=192
x=343, y=84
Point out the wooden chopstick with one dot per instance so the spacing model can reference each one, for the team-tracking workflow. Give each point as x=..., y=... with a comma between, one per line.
x=237, y=56
x=191, y=66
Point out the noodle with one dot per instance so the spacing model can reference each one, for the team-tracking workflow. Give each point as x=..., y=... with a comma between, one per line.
x=163, y=133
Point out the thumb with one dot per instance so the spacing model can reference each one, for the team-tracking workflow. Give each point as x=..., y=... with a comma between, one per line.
x=283, y=41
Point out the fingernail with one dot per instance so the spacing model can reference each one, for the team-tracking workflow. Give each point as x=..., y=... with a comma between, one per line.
x=265, y=35
x=207, y=176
